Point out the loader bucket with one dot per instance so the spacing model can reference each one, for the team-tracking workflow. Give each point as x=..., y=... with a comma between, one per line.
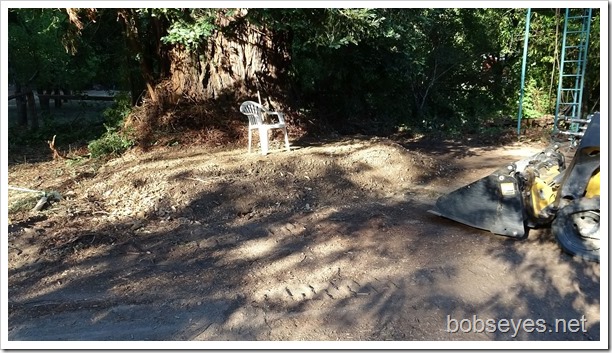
x=493, y=203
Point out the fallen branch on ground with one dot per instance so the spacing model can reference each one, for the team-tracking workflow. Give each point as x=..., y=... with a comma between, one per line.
x=45, y=199
x=56, y=153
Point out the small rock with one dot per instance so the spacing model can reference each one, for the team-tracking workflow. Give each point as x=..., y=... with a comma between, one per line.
x=137, y=225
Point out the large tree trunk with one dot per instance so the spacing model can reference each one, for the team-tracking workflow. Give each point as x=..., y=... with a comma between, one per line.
x=205, y=87
x=185, y=76
x=239, y=60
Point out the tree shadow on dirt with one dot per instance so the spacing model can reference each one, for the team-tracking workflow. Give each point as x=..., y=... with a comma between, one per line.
x=317, y=261
x=453, y=148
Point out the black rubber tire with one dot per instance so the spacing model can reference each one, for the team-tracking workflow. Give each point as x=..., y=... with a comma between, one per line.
x=568, y=237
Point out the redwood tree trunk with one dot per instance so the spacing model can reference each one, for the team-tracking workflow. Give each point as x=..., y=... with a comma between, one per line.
x=185, y=76
x=237, y=60
x=236, y=64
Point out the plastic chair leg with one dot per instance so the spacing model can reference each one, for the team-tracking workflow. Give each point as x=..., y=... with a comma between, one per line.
x=250, y=138
x=287, y=140
x=263, y=140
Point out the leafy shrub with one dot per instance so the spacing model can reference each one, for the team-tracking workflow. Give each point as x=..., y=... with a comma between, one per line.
x=114, y=141
x=111, y=143
x=535, y=101
x=115, y=115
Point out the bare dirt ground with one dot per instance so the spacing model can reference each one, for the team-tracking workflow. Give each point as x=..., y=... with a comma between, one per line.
x=330, y=241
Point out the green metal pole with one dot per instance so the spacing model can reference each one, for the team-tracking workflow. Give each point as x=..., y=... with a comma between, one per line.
x=561, y=69
x=523, y=70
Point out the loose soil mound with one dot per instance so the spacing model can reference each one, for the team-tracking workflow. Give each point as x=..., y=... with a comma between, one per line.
x=330, y=241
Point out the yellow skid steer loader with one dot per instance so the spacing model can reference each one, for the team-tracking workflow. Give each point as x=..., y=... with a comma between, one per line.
x=539, y=191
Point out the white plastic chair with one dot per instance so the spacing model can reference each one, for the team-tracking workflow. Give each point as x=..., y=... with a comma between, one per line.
x=257, y=115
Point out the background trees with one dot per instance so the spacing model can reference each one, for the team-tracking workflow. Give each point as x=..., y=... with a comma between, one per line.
x=373, y=71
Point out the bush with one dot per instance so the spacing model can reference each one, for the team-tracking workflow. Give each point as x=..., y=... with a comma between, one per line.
x=111, y=143
x=114, y=141
x=115, y=115
x=535, y=101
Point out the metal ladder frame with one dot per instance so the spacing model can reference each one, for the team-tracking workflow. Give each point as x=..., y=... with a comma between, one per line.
x=572, y=109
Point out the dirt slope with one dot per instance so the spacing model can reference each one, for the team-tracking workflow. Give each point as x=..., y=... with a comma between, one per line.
x=328, y=242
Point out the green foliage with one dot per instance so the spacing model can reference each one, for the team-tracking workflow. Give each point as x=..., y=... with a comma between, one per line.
x=115, y=140
x=341, y=27
x=115, y=115
x=35, y=38
x=322, y=28
x=408, y=67
x=112, y=143
x=43, y=41
x=188, y=28
x=591, y=94
x=355, y=69
x=427, y=69
x=535, y=101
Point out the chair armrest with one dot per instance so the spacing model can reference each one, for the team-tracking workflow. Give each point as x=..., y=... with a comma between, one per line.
x=281, y=116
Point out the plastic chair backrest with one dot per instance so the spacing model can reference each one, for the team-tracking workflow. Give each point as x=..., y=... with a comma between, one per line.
x=254, y=111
